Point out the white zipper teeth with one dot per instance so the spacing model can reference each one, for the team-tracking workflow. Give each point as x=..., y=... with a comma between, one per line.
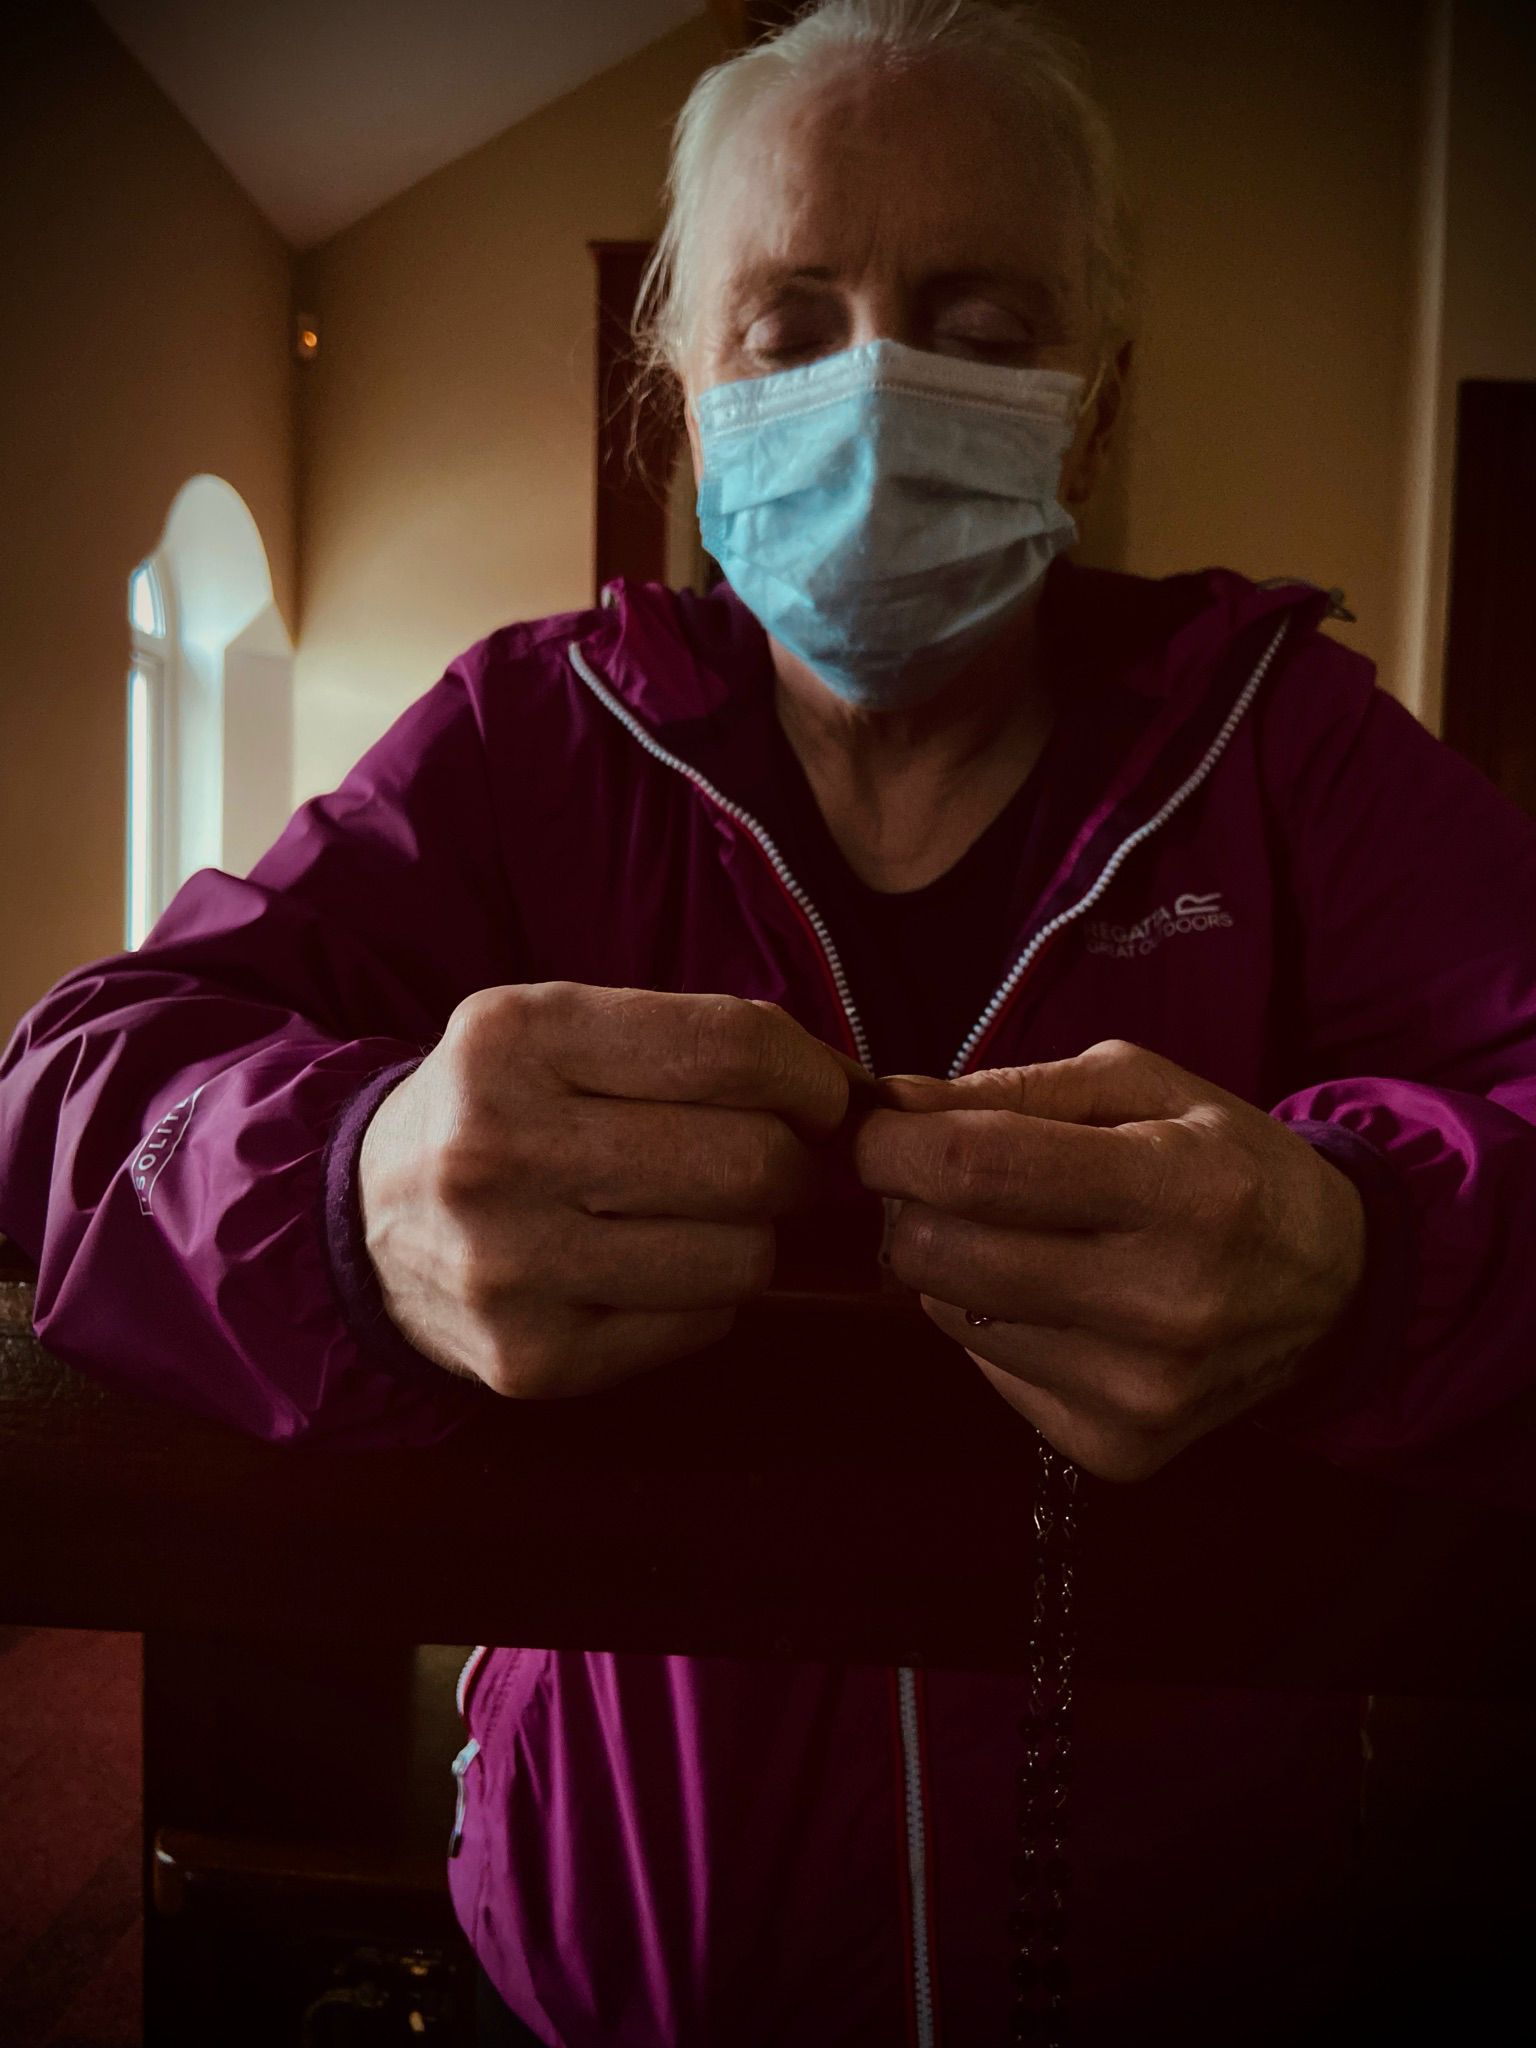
x=466, y=1673
x=912, y=1771
x=745, y=818
x=1192, y=782
x=912, y=1785
x=917, y=1856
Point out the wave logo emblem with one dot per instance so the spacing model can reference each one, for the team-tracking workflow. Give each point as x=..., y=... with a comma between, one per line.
x=1191, y=912
x=150, y=1159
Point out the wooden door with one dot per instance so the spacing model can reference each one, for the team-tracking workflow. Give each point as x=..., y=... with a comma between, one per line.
x=635, y=438
x=1490, y=663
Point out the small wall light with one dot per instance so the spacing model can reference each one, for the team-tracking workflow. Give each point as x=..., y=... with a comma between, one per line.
x=306, y=338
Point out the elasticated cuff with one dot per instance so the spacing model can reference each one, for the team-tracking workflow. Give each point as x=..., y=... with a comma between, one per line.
x=356, y=1283
x=1343, y=1370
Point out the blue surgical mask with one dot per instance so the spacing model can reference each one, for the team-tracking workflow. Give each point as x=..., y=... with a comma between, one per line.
x=882, y=511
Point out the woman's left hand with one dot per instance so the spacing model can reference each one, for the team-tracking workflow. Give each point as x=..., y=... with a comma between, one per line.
x=1153, y=1255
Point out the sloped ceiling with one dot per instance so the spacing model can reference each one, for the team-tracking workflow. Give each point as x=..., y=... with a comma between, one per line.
x=323, y=109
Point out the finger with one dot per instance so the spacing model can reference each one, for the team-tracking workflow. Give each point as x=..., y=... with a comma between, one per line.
x=681, y=1160
x=862, y=1086
x=1119, y=1411
x=1095, y=1444
x=565, y=1351
x=1056, y=1421
x=693, y=1048
x=623, y=1342
x=1112, y=1082
x=1103, y=1283
x=996, y=1166
x=1092, y=1374
x=657, y=1264
x=1050, y=1389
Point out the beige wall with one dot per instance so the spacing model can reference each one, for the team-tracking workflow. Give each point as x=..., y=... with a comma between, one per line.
x=1271, y=159
x=149, y=343
x=447, y=428
x=448, y=425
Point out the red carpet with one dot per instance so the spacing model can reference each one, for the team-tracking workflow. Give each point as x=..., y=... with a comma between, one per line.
x=69, y=1839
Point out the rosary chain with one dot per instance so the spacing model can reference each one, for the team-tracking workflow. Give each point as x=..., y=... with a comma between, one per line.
x=1037, y=1925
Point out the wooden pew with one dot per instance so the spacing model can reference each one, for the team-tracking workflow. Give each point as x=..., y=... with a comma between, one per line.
x=834, y=1482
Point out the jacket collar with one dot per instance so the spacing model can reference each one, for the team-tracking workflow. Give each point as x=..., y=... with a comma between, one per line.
x=674, y=658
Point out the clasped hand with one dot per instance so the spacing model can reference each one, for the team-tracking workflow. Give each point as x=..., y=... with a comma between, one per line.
x=1153, y=1255
x=577, y=1183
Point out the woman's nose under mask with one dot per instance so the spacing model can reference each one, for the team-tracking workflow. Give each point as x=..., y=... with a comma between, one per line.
x=883, y=510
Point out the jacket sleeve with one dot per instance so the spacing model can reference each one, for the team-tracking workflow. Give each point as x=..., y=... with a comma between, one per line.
x=166, y=1115
x=1409, y=980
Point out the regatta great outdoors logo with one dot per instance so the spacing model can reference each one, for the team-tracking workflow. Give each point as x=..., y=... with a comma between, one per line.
x=149, y=1160
x=1129, y=941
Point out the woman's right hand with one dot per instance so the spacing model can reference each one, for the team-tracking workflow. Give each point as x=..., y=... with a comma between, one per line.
x=578, y=1183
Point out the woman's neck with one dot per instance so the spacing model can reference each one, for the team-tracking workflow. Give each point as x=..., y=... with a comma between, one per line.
x=904, y=793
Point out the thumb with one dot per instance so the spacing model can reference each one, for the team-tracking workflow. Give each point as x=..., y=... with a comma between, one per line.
x=863, y=1088
x=1112, y=1082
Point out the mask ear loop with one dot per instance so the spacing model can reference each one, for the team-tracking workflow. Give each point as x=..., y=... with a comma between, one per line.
x=1093, y=390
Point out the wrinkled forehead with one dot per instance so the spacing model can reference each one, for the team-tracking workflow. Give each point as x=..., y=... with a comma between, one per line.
x=891, y=173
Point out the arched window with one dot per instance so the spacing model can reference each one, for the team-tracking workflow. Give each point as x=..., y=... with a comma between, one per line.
x=148, y=676
x=210, y=717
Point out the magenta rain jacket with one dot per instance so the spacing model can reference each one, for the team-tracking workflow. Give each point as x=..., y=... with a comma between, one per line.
x=1286, y=885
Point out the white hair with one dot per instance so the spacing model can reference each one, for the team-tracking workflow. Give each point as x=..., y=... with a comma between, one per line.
x=1011, y=46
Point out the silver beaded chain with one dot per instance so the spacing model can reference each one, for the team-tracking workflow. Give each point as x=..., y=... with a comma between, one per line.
x=1037, y=1924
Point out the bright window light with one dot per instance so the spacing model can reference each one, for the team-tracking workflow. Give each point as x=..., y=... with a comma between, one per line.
x=139, y=878
x=144, y=603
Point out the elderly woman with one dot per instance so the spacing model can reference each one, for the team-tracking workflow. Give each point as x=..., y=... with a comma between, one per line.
x=1208, y=978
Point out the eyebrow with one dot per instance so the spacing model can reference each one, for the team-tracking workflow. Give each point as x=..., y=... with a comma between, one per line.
x=761, y=276
x=1042, y=296
x=1045, y=296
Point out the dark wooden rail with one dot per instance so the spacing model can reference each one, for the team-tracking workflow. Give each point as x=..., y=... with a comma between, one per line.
x=835, y=1481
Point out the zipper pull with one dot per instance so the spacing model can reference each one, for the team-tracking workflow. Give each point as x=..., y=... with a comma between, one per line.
x=461, y=1764
x=1335, y=596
